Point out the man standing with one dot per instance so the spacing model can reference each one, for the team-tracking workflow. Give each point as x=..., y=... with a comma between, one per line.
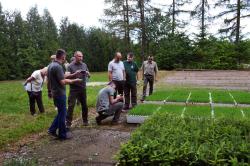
x=107, y=106
x=131, y=70
x=56, y=89
x=77, y=69
x=149, y=73
x=116, y=72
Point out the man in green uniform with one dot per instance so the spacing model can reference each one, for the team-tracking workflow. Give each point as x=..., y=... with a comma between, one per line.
x=131, y=70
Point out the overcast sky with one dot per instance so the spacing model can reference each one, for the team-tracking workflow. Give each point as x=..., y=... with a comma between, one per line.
x=88, y=12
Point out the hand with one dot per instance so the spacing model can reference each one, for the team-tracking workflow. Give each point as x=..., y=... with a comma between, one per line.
x=119, y=97
x=50, y=95
x=88, y=74
x=77, y=72
x=78, y=80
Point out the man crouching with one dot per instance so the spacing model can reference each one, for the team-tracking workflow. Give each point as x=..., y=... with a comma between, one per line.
x=107, y=106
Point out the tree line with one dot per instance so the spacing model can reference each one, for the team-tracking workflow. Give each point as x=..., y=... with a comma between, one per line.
x=130, y=25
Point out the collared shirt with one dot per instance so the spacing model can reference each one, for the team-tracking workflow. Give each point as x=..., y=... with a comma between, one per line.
x=36, y=84
x=131, y=70
x=55, y=75
x=149, y=68
x=116, y=69
x=72, y=68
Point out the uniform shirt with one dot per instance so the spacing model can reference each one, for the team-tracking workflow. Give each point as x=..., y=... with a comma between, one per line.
x=116, y=69
x=55, y=75
x=72, y=68
x=103, y=103
x=36, y=84
x=149, y=68
x=131, y=70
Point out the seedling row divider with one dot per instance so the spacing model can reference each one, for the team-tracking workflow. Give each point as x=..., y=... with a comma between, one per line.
x=211, y=104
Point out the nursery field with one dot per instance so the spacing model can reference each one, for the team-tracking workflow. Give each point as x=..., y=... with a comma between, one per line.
x=192, y=125
x=201, y=96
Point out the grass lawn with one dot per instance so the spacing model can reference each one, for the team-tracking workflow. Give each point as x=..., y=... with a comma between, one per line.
x=99, y=77
x=15, y=118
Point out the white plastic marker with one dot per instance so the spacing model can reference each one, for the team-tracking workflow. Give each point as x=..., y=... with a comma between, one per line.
x=183, y=112
x=235, y=103
x=211, y=104
x=243, y=114
x=188, y=97
x=158, y=109
x=164, y=101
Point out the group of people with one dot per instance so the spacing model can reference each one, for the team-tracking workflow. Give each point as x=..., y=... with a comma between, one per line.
x=111, y=100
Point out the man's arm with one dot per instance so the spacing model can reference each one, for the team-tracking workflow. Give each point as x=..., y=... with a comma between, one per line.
x=142, y=68
x=116, y=100
x=29, y=80
x=110, y=75
x=156, y=71
x=110, y=71
x=68, y=75
x=124, y=75
x=69, y=81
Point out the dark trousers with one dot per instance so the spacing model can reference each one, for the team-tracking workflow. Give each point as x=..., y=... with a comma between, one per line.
x=130, y=90
x=59, y=121
x=80, y=96
x=35, y=97
x=114, y=109
x=119, y=87
x=148, y=79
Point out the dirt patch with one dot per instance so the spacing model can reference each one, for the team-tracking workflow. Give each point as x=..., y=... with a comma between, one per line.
x=91, y=145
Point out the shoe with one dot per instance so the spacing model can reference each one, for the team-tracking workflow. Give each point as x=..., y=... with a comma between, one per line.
x=52, y=133
x=68, y=136
x=125, y=108
x=98, y=122
x=85, y=123
x=142, y=100
x=116, y=122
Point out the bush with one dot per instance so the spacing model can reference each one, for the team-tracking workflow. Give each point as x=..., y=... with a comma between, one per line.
x=169, y=140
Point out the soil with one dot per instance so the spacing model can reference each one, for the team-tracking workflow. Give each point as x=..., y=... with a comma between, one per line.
x=91, y=145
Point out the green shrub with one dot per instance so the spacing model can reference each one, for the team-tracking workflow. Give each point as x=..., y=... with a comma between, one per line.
x=166, y=139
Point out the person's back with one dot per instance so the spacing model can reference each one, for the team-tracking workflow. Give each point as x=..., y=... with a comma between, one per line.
x=55, y=71
x=103, y=102
x=107, y=106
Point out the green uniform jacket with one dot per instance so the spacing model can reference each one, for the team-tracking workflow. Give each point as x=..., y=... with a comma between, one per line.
x=131, y=70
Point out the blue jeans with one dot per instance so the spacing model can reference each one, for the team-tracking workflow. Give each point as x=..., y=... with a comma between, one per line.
x=59, y=121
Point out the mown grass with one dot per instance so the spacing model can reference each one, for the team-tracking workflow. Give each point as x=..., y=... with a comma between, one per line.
x=15, y=118
x=99, y=77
